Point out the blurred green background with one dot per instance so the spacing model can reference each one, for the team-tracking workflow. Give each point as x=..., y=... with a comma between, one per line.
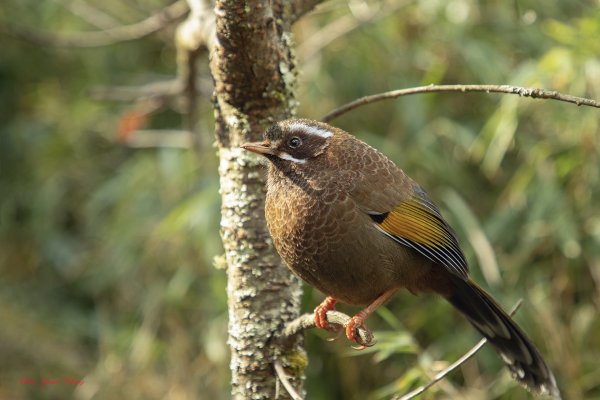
x=110, y=252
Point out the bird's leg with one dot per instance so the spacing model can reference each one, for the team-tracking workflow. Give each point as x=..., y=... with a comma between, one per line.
x=358, y=321
x=321, y=314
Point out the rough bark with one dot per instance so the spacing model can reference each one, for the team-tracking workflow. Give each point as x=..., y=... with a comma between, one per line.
x=254, y=74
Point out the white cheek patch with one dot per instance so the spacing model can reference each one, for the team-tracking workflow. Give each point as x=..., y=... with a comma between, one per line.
x=311, y=130
x=285, y=156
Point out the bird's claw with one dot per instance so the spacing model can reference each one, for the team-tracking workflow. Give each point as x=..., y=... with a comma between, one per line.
x=321, y=316
x=337, y=336
x=351, y=328
x=352, y=334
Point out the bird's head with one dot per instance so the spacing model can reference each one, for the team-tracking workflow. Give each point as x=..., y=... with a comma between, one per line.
x=293, y=143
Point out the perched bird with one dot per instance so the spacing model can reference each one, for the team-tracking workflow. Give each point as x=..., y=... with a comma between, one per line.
x=352, y=224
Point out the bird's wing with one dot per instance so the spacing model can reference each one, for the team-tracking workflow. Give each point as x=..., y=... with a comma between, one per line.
x=417, y=223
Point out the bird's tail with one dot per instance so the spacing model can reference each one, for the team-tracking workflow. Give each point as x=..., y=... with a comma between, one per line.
x=516, y=350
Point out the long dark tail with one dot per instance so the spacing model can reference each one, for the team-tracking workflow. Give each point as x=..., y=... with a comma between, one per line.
x=518, y=352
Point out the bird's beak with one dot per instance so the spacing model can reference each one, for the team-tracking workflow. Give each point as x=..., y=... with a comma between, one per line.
x=263, y=148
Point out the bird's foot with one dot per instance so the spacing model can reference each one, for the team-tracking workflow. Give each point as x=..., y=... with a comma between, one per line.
x=321, y=315
x=337, y=335
x=356, y=322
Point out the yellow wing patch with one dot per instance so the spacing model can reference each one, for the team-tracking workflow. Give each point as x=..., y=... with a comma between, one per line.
x=418, y=224
x=410, y=221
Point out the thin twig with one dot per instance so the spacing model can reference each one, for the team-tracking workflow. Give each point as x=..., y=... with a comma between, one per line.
x=91, y=14
x=341, y=27
x=285, y=381
x=168, y=88
x=300, y=7
x=99, y=38
x=534, y=93
x=442, y=374
x=176, y=139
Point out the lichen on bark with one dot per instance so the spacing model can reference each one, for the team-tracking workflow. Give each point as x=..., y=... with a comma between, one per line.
x=255, y=77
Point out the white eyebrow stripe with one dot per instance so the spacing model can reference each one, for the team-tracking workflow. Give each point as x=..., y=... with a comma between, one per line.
x=285, y=156
x=311, y=130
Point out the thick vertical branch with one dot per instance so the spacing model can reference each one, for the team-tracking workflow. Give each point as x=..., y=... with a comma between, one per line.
x=254, y=75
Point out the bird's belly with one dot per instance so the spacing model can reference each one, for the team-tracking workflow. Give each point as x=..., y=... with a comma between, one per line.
x=355, y=276
x=352, y=265
x=334, y=246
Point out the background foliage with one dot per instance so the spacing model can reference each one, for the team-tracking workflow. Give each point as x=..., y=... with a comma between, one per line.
x=108, y=252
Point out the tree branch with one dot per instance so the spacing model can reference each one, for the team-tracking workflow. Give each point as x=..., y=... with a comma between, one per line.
x=176, y=139
x=169, y=88
x=300, y=7
x=307, y=321
x=534, y=93
x=442, y=374
x=288, y=336
x=99, y=38
x=198, y=30
x=91, y=14
x=253, y=68
x=194, y=37
x=280, y=371
x=340, y=27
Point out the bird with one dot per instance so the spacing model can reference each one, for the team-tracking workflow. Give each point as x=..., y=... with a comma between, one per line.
x=349, y=222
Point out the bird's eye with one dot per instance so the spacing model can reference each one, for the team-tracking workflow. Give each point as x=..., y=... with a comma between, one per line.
x=295, y=142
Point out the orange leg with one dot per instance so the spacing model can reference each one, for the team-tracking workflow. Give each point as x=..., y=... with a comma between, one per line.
x=321, y=314
x=358, y=321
